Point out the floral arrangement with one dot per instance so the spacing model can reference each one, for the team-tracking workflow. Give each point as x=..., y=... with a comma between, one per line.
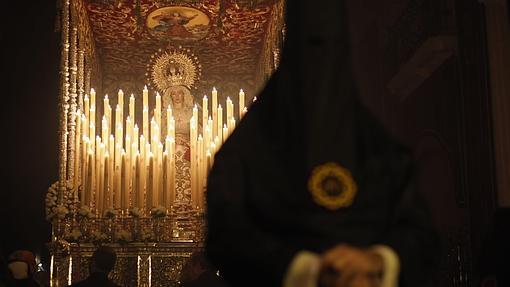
x=54, y=209
x=135, y=212
x=110, y=213
x=97, y=237
x=158, y=212
x=74, y=235
x=145, y=235
x=123, y=236
x=85, y=213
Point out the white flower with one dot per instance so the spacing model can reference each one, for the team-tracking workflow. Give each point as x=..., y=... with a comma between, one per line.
x=61, y=211
x=85, y=212
x=74, y=235
x=123, y=236
x=135, y=212
x=145, y=235
x=158, y=211
x=110, y=213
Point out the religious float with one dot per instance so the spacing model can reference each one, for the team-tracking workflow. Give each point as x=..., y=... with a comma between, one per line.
x=133, y=162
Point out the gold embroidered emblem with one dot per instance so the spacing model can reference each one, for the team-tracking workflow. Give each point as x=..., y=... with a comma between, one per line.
x=332, y=186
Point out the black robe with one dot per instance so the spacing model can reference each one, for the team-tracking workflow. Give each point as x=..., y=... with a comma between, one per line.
x=260, y=209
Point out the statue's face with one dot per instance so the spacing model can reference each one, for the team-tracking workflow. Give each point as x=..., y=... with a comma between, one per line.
x=177, y=96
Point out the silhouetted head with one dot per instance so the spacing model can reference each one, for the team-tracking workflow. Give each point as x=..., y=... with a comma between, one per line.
x=103, y=260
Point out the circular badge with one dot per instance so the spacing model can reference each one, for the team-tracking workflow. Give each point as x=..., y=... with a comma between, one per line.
x=332, y=186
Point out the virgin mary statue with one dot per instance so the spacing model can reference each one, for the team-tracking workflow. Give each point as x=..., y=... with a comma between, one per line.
x=179, y=98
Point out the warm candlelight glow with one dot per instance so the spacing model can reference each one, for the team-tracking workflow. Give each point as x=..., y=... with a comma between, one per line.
x=122, y=166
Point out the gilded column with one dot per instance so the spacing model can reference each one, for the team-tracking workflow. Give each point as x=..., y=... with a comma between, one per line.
x=73, y=55
x=63, y=102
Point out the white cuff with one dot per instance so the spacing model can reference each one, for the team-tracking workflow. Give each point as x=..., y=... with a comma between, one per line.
x=303, y=271
x=391, y=265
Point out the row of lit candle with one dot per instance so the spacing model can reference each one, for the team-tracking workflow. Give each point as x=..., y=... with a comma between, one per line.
x=123, y=169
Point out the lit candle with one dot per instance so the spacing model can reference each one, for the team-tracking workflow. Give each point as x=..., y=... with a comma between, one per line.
x=135, y=136
x=104, y=131
x=136, y=183
x=118, y=182
x=172, y=127
x=158, y=109
x=108, y=195
x=101, y=180
x=84, y=171
x=92, y=98
x=205, y=113
x=241, y=103
x=129, y=132
x=132, y=108
x=195, y=113
x=77, y=149
x=164, y=175
x=145, y=97
x=97, y=172
x=215, y=111
x=200, y=161
x=117, y=176
x=230, y=109
x=84, y=126
x=87, y=198
x=111, y=167
x=86, y=114
x=106, y=108
x=225, y=133
x=254, y=99
x=92, y=128
x=120, y=102
x=151, y=182
x=159, y=175
x=220, y=121
x=145, y=125
x=232, y=125
x=143, y=172
x=245, y=110
x=124, y=182
x=119, y=125
x=168, y=119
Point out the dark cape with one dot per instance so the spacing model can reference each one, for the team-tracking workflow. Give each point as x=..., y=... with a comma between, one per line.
x=260, y=209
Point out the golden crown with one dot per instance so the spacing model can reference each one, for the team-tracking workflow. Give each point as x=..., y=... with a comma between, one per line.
x=177, y=67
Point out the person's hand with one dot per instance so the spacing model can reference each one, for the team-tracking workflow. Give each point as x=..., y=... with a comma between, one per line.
x=347, y=266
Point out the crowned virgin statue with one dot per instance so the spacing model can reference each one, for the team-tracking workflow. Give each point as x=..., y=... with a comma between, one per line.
x=179, y=98
x=174, y=74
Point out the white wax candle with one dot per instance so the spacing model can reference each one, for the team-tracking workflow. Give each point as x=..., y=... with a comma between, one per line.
x=214, y=105
x=132, y=108
x=86, y=104
x=220, y=121
x=225, y=133
x=145, y=124
x=230, y=108
x=145, y=97
x=158, y=109
x=92, y=98
x=241, y=103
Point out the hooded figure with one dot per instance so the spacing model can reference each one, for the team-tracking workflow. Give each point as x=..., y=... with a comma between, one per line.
x=310, y=188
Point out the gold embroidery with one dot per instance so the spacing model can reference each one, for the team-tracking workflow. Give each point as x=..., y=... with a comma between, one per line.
x=332, y=186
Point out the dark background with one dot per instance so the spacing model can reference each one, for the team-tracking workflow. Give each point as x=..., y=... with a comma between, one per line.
x=30, y=77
